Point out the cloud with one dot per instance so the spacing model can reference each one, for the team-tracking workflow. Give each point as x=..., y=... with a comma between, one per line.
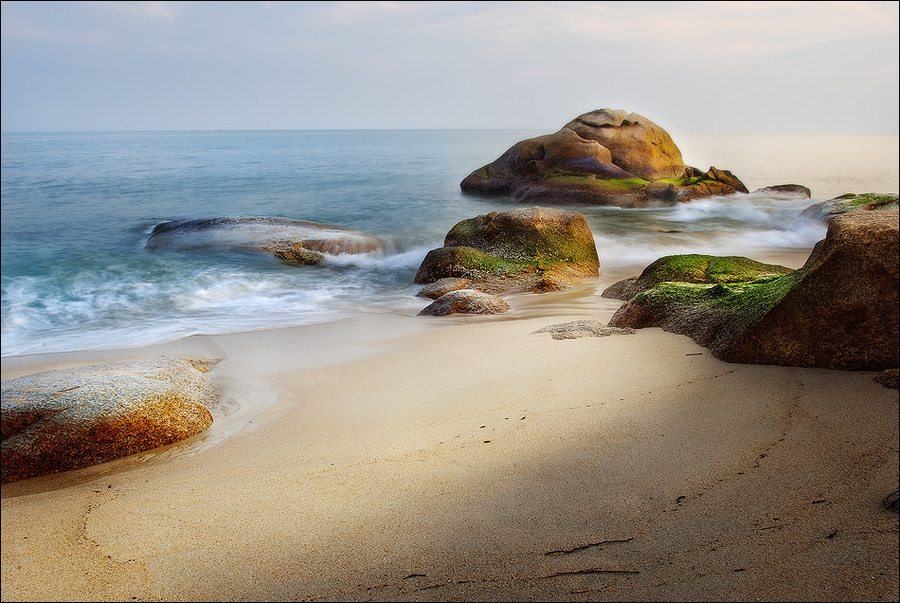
x=690, y=65
x=140, y=10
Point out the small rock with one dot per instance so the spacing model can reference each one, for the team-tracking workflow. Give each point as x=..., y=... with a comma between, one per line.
x=466, y=301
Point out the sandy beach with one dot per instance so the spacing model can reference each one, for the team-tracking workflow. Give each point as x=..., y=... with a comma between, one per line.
x=402, y=458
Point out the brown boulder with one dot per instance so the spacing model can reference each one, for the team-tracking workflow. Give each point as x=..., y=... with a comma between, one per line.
x=537, y=249
x=66, y=419
x=605, y=157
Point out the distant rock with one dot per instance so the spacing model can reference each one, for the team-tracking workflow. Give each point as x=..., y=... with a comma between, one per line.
x=604, y=157
x=839, y=311
x=67, y=419
x=789, y=190
x=466, y=301
x=524, y=250
x=849, y=202
x=294, y=242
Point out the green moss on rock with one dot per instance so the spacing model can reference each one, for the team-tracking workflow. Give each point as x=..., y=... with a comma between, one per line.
x=698, y=268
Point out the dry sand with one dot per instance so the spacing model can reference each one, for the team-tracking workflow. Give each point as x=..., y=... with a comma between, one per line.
x=414, y=459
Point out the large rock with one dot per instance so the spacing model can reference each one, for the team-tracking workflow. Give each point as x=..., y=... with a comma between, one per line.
x=535, y=250
x=839, y=311
x=66, y=419
x=605, y=157
x=295, y=242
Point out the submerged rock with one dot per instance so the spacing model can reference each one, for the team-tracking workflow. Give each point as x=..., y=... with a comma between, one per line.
x=295, y=242
x=604, y=157
x=67, y=419
x=839, y=311
x=524, y=250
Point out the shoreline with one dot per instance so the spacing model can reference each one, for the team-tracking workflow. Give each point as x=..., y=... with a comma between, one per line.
x=471, y=458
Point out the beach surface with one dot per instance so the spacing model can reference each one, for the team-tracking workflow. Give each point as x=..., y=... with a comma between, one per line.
x=401, y=458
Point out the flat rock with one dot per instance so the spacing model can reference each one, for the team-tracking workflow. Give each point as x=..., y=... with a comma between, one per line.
x=851, y=202
x=584, y=328
x=294, y=242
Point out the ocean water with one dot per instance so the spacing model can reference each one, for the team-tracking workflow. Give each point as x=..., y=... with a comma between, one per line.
x=77, y=209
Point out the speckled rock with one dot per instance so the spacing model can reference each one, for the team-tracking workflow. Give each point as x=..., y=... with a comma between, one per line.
x=66, y=419
x=584, y=328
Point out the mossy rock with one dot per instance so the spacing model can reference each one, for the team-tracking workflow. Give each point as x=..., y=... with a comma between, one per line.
x=696, y=268
x=536, y=249
x=839, y=311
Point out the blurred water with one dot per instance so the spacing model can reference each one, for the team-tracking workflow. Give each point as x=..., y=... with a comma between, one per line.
x=77, y=209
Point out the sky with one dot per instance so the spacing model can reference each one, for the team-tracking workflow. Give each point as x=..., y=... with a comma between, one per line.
x=767, y=66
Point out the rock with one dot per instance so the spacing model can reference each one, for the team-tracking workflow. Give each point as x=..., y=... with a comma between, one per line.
x=788, y=190
x=889, y=378
x=442, y=286
x=824, y=210
x=636, y=144
x=67, y=419
x=839, y=311
x=465, y=301
x=524, y=250
x=694, y=268
x=605, y=157
x=583, y=328
x=294, y=242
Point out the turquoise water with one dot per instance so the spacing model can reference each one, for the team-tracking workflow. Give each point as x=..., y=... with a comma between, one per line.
x=77, y=209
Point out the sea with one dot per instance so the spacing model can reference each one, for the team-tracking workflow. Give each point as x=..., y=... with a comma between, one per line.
x=77, y=209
